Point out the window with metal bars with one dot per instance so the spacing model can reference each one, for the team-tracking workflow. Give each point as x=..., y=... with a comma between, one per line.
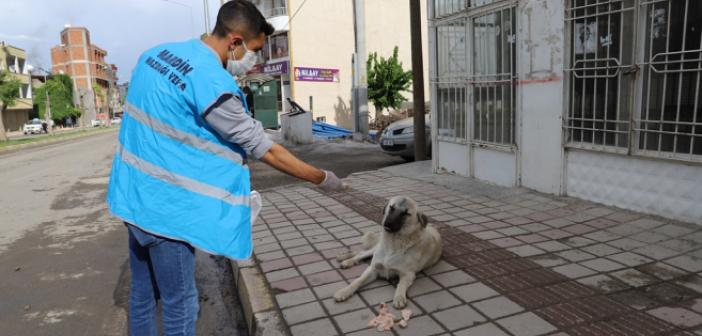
x=670, y=122
x=655, y=112
x=444, y=8
x=492, y=78
x=452, y=69
x=602, y=44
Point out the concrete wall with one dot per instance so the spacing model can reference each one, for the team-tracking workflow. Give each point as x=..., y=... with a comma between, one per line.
x=321, y=36
x=540, y=48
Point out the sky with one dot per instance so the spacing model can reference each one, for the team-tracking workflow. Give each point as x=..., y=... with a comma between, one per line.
x=125, y=28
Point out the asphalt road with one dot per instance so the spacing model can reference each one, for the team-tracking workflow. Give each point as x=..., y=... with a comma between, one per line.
x=63, y=258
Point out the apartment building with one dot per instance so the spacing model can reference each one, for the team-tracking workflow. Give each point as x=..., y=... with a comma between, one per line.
x=14, y=61
x=93, y=78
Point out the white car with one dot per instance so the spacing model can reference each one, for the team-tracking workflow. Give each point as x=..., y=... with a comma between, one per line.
x=33, y=127
x=116, y=120
x=97, y=122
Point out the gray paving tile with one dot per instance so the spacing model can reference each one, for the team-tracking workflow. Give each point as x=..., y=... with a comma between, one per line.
x=487, y=329
x=634, y=277
x=323, y=327
x=439, y=267
x=526, y=324
x=315, y=267
x=649, y=237
x=328, y=290
x=453, y=278
x=574, y=271
x=578, y=241
x=685, y=262
x=601, y=250
x=354, y=321
x=656, y=252
x=525, y=250
x=421, y=326
x=436, y=301
x=646, y=223
x=629, y=259
x=552, y=246
x=282, y=274
x=378, y=295
x=487, y=235
x=602, y=265
x=305, y=312
x=473, y=292
x=680, y=317
x=294, y=298
x=497, y=307
x=351, y=304
x=548, y=260
x=602, y=236
x=673, y=230
x=459, y=317
x=422, y=286
x=575, y=255
x=626, y=244
x=603, y=283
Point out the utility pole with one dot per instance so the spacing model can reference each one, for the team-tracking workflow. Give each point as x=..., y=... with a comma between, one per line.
x=48, y=103
x=420, y=145
x=207, y=16
x=360, y=89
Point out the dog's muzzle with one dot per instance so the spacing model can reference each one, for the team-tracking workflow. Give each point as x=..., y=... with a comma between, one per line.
x=393, y=221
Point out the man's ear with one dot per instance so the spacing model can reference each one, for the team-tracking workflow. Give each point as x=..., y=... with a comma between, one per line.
x=422, y=218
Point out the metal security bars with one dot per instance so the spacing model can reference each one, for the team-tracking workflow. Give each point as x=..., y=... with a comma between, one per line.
x=452, y=69
x=635, y=68
x=670, y=122
x=493, y=76
x=474, y=81
x=601, y=59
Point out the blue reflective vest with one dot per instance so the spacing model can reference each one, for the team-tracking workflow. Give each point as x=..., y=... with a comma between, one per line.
x=172, y=174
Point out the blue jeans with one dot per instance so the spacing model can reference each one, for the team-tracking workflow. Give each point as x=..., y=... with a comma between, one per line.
x=161, y=269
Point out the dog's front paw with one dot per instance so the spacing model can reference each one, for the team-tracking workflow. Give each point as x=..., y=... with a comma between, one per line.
x=348, y=263
x=399, y=302
x=343, y=294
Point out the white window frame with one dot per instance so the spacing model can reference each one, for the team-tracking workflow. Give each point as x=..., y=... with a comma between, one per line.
x=462, y=82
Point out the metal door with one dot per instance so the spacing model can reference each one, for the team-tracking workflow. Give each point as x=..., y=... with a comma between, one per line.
x=266, y=104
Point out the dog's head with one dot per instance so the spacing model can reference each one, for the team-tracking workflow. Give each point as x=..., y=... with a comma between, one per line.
x=401, y=216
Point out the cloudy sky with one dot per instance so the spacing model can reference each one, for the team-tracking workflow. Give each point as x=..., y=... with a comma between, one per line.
x=124, y=28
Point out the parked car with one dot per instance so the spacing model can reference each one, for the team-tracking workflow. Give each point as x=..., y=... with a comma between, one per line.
x=34, y=126
x=116, y=120
x=97, y=122
x=398, y=138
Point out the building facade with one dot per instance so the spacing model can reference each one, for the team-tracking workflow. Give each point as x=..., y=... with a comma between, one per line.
x=14, y=61
x=310, y=56
x=93, y=78
x=597, y=99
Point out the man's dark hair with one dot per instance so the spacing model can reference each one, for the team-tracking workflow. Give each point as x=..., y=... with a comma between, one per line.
x=243, y=17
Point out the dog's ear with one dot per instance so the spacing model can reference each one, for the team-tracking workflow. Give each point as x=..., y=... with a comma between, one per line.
x=385, y=208
x=422, y=218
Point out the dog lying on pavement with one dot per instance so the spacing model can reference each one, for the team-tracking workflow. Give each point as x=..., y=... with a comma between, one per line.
x=405, y=246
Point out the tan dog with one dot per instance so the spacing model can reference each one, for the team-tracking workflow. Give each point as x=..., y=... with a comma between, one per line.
x=406, y=245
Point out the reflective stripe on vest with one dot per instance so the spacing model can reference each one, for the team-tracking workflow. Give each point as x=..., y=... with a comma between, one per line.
x=181, y=136
x=181, y=181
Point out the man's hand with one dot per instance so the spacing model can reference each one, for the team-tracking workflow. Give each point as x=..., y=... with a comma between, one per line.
x=331, y=182
x=279, y=158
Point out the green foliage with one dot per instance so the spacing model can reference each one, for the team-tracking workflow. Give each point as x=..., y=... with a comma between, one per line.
x=386, y=82
x=60, y=89
x=9, y=89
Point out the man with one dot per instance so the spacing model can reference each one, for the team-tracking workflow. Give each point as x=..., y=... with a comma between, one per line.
x=179, y=178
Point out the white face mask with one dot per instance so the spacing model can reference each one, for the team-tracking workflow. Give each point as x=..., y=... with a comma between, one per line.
x=240, y=67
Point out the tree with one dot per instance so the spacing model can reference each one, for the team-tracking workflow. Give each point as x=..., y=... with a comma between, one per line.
x=60, y=89
x=9, y=92
x=386, y=82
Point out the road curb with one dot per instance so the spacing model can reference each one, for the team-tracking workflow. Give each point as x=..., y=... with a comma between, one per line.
x=42, y=143
x=263, y=317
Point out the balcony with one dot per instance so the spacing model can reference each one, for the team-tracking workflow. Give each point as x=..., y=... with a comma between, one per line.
x=275, y=11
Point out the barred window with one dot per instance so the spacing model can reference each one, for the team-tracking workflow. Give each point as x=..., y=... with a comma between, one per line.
x=602, y=44
x=493, y=77
x=670, y=122
x=452, y=68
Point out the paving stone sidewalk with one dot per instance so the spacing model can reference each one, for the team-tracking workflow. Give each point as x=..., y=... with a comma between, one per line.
x=524, y=264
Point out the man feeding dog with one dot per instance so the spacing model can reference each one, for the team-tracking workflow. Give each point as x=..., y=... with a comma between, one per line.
x=405, y=246
x=179, y=178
